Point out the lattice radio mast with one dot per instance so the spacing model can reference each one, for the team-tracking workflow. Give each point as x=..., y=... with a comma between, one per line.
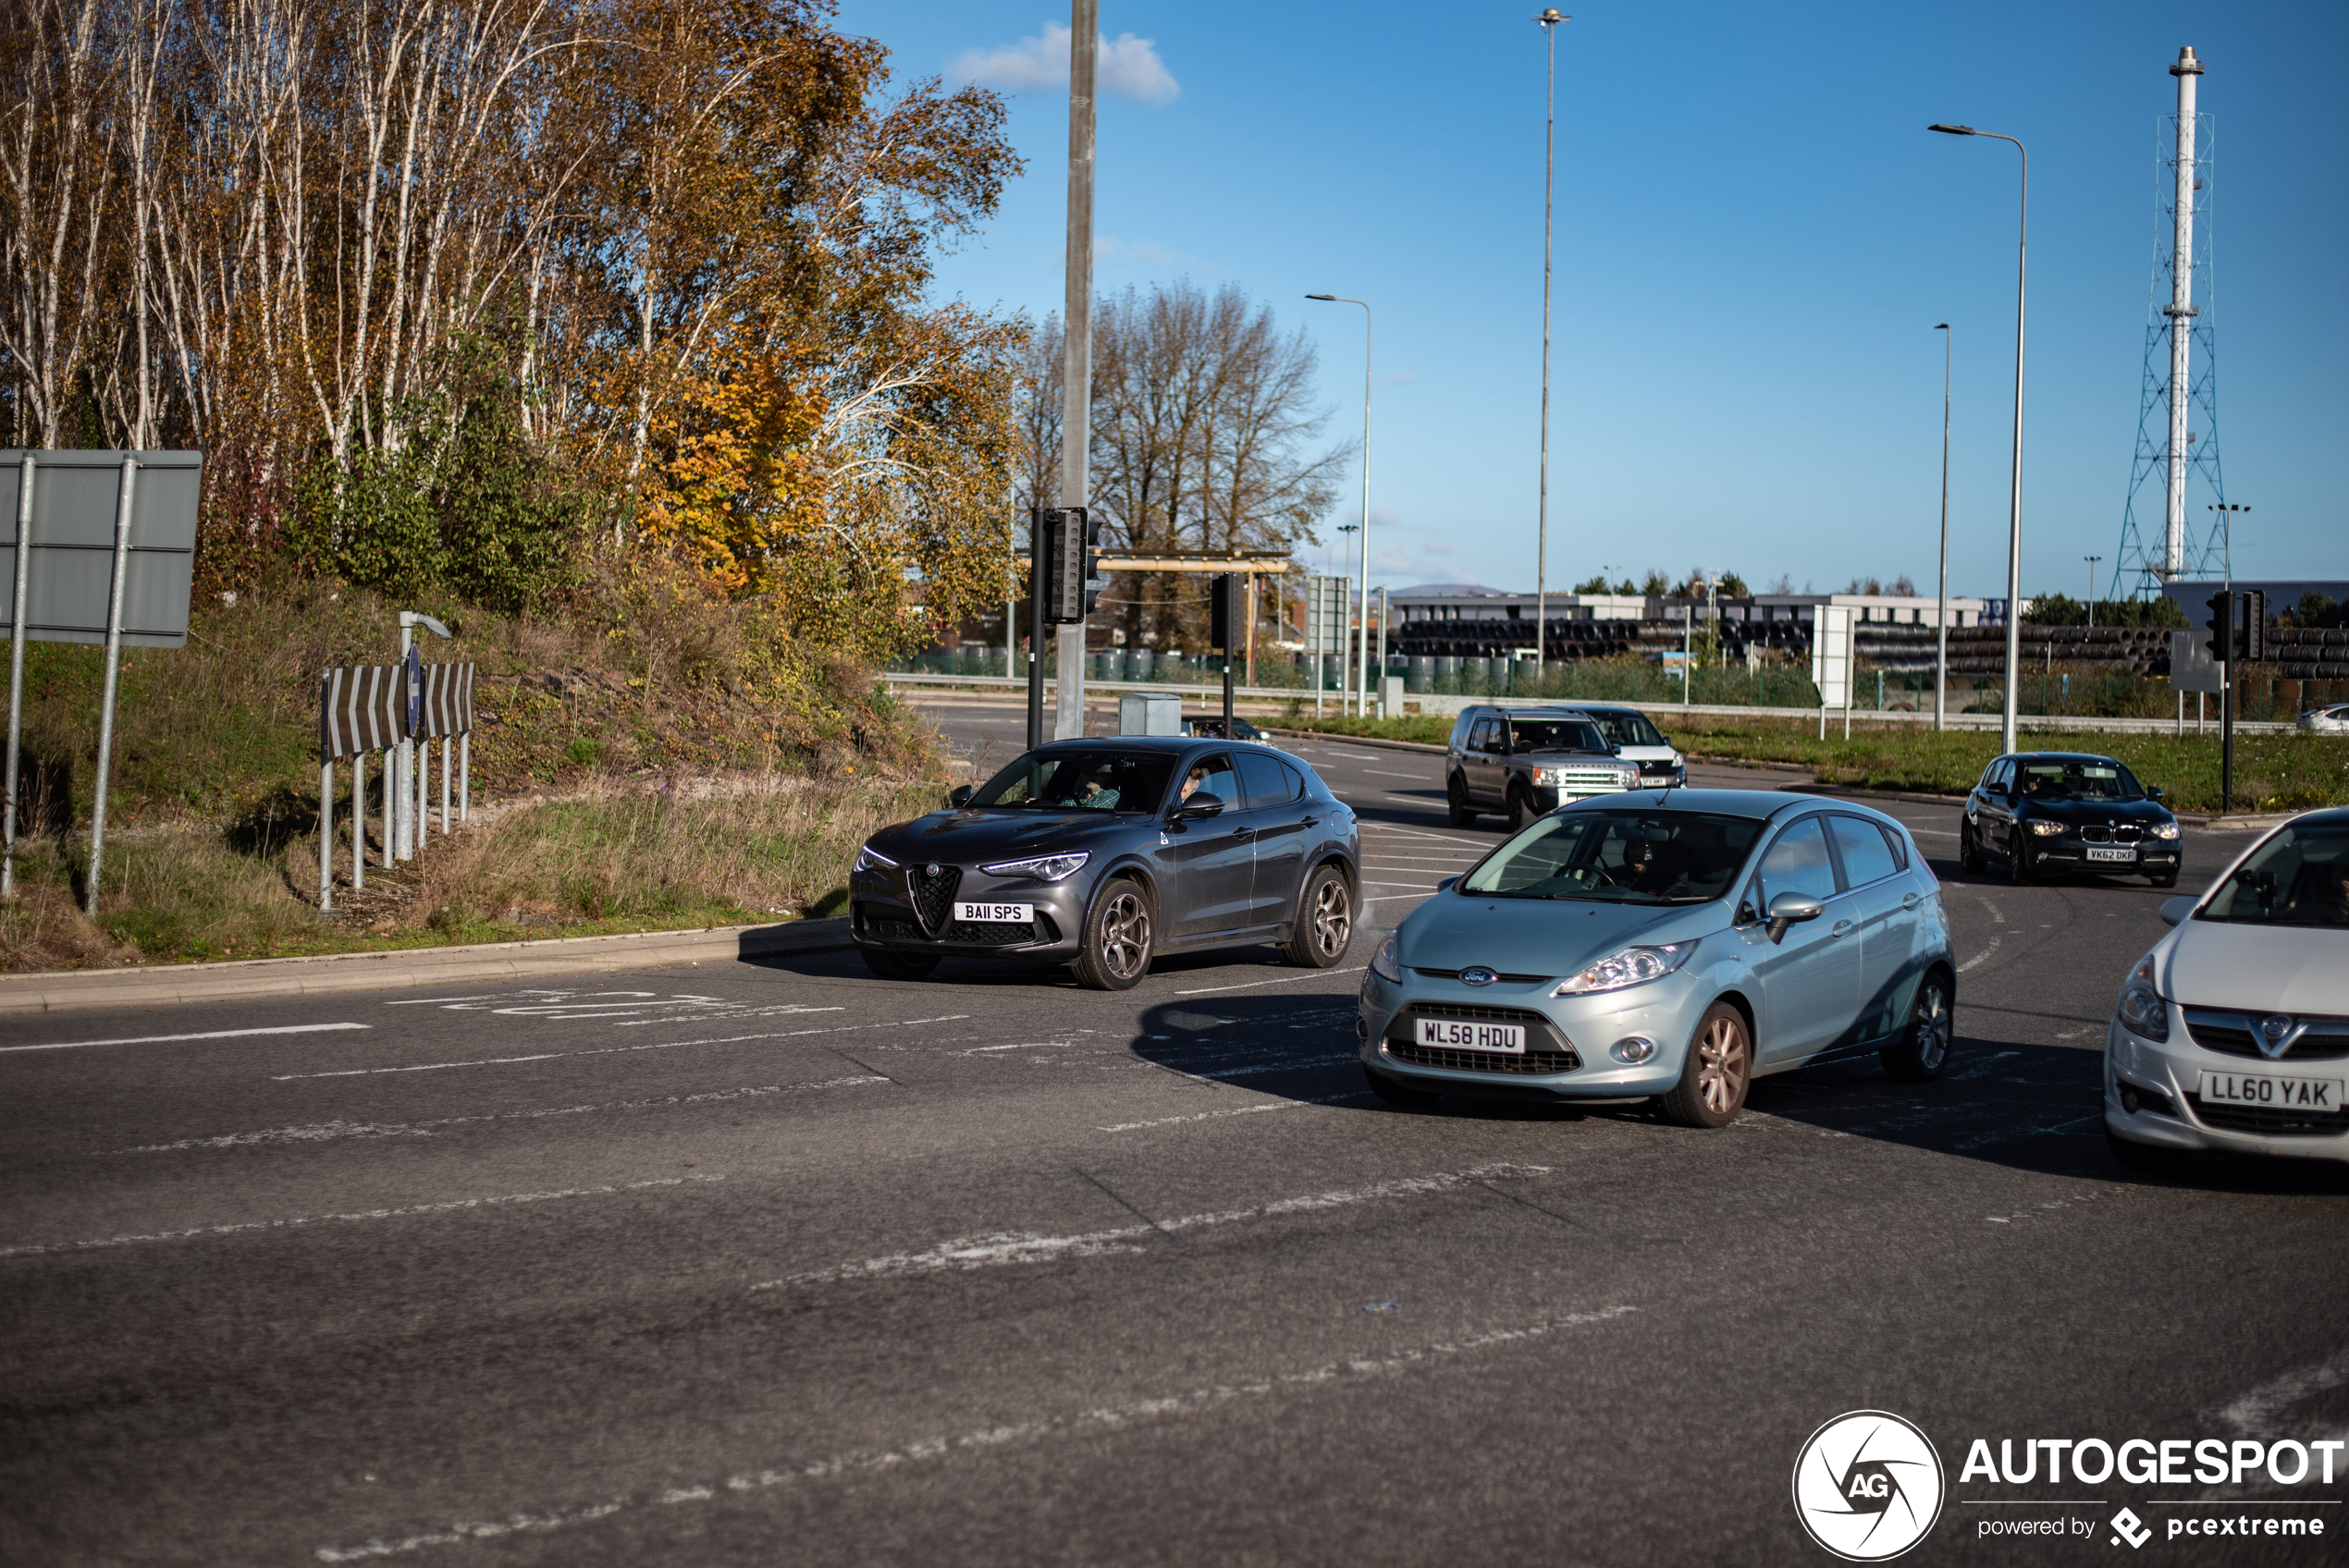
x=2178, y=412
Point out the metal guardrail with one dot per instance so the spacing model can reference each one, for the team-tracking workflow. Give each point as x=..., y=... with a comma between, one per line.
x=2043, y=723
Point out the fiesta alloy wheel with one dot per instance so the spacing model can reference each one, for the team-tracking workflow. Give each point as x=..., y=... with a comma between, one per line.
x=1324, y=924
x=1120, y=936
x=1456, y=800
x=1715, y=1076
x=1921, y=1052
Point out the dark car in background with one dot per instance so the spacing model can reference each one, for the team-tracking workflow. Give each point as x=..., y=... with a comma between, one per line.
x=1636, y=739
x=1104, y=853
x=2041, y=813
x=1522, y=761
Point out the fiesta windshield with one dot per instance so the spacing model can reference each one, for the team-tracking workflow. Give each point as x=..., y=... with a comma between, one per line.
x=1623, y=857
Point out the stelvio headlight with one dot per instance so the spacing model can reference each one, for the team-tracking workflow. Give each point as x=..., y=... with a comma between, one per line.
x=871, y=858
x=1387, y=962
x=1632, y=966
x=2164, y=830
x=1043, y=868
x=2044, y=829
x=2141, y=1009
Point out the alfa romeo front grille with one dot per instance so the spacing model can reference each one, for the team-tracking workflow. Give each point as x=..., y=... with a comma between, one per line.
x=933, y=896
x=992, y=934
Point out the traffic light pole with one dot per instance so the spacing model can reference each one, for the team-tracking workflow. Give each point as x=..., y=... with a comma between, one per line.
x=2227, y=740
x=1035, y=628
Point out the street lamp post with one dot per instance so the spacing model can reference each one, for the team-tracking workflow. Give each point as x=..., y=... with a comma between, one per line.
x=1941, y=615
x=2014, y=496
x=1549, y=21
x=2091, y=588
x=1362, y=650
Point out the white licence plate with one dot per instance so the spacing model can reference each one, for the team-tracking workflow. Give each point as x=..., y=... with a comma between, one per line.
x=2272, y=1090
x=1454, y=1034
x=2097, y=851
x=995, y=914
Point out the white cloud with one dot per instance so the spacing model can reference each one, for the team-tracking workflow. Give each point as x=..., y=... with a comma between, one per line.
x=1129, y=66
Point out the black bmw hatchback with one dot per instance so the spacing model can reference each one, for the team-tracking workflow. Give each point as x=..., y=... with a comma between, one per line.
x=1104, y=853
x=2046, y=811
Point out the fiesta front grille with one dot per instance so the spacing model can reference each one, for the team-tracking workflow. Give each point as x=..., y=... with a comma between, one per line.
x=1529, y=1065
x=933, y=896
x=2272, y=1120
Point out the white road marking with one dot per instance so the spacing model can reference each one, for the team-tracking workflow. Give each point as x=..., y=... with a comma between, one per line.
x=1383, y=773
x=999, y=1248
x=1980, y=956
x=1997, y=916
x=448, y=1208
x=1283, y=980
x=209, y=1034
x=1236, y=1110
x=618, y=1051
x=1103, y=1419
x=323, y=1132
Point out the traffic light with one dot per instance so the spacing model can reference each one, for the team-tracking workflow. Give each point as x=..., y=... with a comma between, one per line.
x=2222, y=640
x=1072, y=565
x=2255, y=626
x=1223, y=609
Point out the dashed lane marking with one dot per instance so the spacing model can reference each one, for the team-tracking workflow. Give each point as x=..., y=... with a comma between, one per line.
x=616, y=1050
x=1099, y=1419
x=208, y=1034
x=450, y=1207
x=1236, y=1110
x=1283, y=980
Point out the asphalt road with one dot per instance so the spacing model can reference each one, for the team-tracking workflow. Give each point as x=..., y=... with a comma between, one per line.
x=778, y=1263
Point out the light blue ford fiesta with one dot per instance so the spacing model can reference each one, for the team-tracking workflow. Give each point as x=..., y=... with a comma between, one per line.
x=1671, y=946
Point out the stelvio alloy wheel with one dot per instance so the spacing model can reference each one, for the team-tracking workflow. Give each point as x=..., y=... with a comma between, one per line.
x=898, y=965
x=1118, y=939
x=1324, y=925
x=1921, y=1050
x=1714, y=1077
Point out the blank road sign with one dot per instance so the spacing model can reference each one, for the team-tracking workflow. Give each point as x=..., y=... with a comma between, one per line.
x=75, y=496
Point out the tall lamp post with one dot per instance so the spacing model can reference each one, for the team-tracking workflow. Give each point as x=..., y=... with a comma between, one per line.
x=1549, y=21
x=1941, y=615
x=2014, y=496
x=1345, y=670
x=1362, y=650
x=2092, y=587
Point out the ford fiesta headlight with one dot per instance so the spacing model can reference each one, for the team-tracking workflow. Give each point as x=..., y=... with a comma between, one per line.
x=1632, y=966
x=2141, y=1010
x=871, y=858
x=2164, y=830
x=1387, y=962
x=1043, y=868
x=2044, y=829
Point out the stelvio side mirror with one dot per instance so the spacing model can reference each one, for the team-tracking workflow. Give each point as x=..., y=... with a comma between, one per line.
x=960, y=796
x=1201, y=803
x=1793, y=909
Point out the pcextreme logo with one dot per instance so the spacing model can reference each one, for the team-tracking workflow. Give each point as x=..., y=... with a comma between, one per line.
x=1868, y=1486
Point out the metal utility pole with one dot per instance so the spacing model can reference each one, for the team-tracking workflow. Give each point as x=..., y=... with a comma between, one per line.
x=2181, y=311
x=1076, y=311
x=2092, y=589
x=1941, y=616
x=1549, y=21
x=2014, y=500
x=1363, y=649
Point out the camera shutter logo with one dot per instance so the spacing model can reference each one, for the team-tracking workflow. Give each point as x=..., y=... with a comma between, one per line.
x=1868, y=1486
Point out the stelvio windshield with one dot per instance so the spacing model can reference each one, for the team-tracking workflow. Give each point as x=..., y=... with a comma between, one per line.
x=2079, y=782
x=2298, y=877
x=1622, y=857
x=1087, y=780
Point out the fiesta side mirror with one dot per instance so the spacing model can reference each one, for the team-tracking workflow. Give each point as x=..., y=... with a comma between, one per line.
x=1201, y=803
x=960, y=796
x=1793, y=909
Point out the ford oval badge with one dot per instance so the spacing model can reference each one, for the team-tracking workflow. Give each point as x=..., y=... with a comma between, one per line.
x=1477, y=976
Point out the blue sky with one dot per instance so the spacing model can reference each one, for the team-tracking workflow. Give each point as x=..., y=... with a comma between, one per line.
x=1756, y=236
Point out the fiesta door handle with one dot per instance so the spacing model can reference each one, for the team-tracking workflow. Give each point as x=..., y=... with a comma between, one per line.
x=1841, y=927
x=1909, y=900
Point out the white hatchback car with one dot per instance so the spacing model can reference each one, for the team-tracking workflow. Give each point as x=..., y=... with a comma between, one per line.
x=2233, y=1032
x=2331, y=719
